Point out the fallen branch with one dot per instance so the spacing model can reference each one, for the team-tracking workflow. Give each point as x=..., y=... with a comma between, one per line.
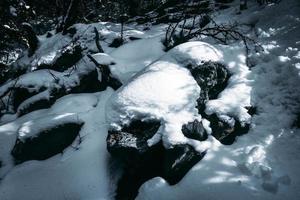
x=97, y=40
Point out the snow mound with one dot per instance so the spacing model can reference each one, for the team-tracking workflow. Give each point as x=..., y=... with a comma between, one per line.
x=195, y=53
x=166, y=91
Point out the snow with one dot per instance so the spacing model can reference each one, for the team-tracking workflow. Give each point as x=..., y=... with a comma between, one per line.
x=103, y=59
x=135, y=56
x=232, y=102
x=195, y=53
x=263, y=164
x=75, y=174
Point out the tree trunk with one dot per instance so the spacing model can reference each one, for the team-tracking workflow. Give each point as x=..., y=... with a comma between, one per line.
x=70, y=17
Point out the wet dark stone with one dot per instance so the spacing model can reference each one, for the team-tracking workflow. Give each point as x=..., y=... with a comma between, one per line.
x=47, y=143
x=224, y=132
x=194, y=130
x=142, y=162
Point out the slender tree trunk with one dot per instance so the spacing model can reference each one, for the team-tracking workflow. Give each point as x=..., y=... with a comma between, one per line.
x=70, y=17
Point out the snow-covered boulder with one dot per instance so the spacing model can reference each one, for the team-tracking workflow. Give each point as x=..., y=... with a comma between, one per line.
x=41, y=88
x=167, y=91
x=42, y=138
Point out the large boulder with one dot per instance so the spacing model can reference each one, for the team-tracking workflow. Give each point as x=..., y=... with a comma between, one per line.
x=142, y=162
x=42, y=138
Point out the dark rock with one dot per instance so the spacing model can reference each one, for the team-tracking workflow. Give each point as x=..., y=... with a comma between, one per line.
x=20, y=94
x=4, y=73
x=194, y=130
x=69, y=56
x=146, y=28
x=204, y=21
x=71, y=31
x=251, y=110
x=297, y=121
x=49, y=34
x=224, y=132
x=47, y=143
x=42, y=103
x=178, y=161
x=134, y=38
x=88, y=83
x=142, y=162
x=117, y=42
x=131, y=142
x=107, y=78
x=212, y=78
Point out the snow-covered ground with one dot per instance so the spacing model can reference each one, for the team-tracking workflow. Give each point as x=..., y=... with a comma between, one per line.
x=263, y=164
